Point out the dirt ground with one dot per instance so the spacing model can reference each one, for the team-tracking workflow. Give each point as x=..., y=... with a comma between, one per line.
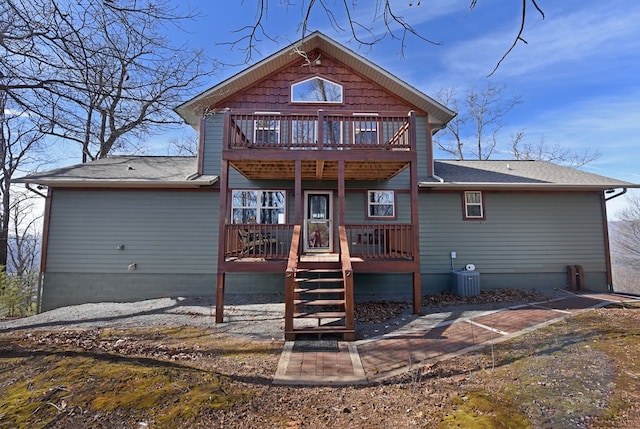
x=580, y=373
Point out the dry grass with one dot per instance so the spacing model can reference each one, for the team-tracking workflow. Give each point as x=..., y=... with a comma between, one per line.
x=579, y=373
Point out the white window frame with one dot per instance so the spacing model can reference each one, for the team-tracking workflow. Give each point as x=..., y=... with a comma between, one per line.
x=368, y=123
x=371, y=204
x=469, y=204
x=272, y=124
x=341, y=88
x=258, y=208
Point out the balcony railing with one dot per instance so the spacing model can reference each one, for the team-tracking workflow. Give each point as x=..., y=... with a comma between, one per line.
x=265, y=241
x=321, y=131
x=273, y=241
x=381, y=241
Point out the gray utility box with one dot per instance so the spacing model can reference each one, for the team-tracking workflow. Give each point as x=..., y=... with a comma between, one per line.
x=465, y=283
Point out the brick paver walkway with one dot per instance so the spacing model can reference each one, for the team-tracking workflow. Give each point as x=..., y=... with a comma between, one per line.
x=364, y=361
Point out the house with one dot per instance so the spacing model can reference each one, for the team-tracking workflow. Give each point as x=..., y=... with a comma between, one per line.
x=316, y=176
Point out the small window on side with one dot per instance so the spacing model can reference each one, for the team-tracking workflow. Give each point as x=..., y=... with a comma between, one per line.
x=473, y=205
x=266, y=132
x=381, y=204
x=365, y=130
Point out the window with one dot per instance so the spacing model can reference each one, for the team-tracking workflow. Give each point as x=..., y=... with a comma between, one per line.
x=266, y=131
x=258, y=206
x=365, y=131
x=381, y=204
x=473, y=205
x=316, y=90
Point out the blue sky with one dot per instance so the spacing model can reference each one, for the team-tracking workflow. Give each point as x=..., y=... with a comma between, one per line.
x=578, y=76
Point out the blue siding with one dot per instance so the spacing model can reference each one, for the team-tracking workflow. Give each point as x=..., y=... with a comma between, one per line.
x=526, y=239
x=162, y=232
x=212, y=154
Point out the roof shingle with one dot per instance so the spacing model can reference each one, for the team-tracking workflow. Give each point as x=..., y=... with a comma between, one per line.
x=520, y=174
x=117, y=171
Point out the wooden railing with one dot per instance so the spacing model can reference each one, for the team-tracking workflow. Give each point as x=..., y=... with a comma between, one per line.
x=268, y=241
x=290, y=278
x=347, y=277
x=381, y=241
x=273, y=241
x=323, y=130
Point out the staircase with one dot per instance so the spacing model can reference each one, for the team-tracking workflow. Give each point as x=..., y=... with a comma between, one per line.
x=319, y=302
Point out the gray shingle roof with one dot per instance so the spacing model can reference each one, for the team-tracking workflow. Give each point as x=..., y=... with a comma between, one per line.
x=516, y=174
x=126, y=171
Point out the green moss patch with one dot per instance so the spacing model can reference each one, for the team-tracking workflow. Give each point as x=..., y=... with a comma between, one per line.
x=579, y=372
x=51, y=381
x=480, y=410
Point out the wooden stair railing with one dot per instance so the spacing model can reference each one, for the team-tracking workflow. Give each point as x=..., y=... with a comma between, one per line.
x=347, y=275
x=290, y=280
x=321, y=291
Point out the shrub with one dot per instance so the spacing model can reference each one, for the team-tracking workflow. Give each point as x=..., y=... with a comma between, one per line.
x=17, y=295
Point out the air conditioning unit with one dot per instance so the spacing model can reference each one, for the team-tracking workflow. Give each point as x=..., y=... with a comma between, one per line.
x=465, y=282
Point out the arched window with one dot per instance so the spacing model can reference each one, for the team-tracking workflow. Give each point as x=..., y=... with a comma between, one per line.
x=316, y=90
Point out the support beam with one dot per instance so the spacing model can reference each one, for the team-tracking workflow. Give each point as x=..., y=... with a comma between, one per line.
x=224, y=183
x=299, y=204
x=417, y=293
x=319, y=170
x=415, y=216
x=220, y=298
x=341, y=193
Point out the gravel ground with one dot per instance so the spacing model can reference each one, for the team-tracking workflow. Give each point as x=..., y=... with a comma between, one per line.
x=566, y=376
x=262, y=316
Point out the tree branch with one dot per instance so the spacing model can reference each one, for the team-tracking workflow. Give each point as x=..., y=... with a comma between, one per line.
x=518, y=37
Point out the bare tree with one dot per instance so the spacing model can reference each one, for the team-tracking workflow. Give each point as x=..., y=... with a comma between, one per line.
x=474, y=132
x=24, y=239
x=625, y=246
x=108, y=74
x=553, y=153
x=20, y=141
x=184, y=145
x=18, y=292
x=361, y=30
x=626, y=240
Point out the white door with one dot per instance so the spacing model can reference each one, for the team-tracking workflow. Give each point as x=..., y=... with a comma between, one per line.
x=318, y=226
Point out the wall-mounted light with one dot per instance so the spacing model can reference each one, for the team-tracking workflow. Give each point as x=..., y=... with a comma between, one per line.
x=120, y=247
x=132, y=266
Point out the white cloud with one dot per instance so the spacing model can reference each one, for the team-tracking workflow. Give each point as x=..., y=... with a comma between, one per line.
x=608, y=124
x=577, y=34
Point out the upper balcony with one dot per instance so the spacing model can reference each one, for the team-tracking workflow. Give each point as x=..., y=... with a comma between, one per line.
x=266, y=145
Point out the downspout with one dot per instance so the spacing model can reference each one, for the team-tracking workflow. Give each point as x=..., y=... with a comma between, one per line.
x=44, y=244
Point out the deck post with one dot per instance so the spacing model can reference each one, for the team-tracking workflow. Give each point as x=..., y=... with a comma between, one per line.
x=220, y=298
x=299, y=204
x=417, y=294
x=415, y=216
x=320, y=142
x=341, y=193
x=222, y=245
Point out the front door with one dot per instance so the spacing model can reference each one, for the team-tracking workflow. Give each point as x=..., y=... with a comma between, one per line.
x=318, y=226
